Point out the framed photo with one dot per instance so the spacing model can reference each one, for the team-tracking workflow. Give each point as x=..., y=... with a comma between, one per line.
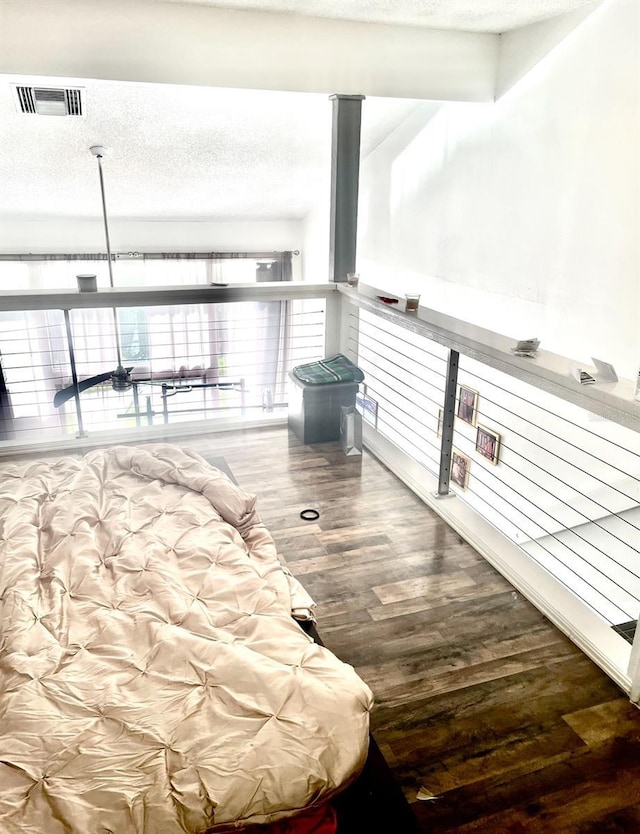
x=460, y=465
x=467, y=405
x=439, y=426
x=488, y=444
x=367, y=406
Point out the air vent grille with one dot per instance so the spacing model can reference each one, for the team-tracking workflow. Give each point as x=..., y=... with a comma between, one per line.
x=50, y=101
x=26, y=99
x=74, y=102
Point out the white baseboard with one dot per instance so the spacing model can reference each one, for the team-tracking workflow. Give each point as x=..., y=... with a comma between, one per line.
x=172, y=432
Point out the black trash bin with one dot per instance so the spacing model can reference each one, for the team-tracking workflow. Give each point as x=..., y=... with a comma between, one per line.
x=317, y=392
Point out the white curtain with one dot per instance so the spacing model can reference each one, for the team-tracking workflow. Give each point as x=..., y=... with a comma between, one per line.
x=220, y=341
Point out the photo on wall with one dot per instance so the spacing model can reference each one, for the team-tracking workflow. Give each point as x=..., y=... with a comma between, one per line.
x=488, y=444
x=367, y=406
x=460, y=465
x=467, y=405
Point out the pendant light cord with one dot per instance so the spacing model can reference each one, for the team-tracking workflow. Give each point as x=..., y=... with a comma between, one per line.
x=106, y=237
x=106, y=225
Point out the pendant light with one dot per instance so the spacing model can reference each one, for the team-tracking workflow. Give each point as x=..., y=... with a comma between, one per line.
x=121, y=377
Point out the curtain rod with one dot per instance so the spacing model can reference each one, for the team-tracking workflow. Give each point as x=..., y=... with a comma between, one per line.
x=157, y=256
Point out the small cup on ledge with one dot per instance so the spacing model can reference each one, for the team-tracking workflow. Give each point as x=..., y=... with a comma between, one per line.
x=353, y=278
x=412, y=302
x=87, y=283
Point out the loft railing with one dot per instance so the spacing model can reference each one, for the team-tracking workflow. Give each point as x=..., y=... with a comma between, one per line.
x=544, y=483
x=193, y=353
x=545, y=473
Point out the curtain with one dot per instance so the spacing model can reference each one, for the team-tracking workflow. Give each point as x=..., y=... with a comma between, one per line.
x=248, y=340
x=35, y=362
x=274, y=322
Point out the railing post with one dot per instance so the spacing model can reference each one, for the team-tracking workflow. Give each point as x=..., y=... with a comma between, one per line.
x=634, y=668
x=149, y=412
x=165, y=404
x=74, y=375
x=332, y=324
x=136, y=402
x=448, y=414
x=345, y=172
x=243, y=399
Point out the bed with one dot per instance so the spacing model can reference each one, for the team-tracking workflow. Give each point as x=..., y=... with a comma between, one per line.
x=152, y=678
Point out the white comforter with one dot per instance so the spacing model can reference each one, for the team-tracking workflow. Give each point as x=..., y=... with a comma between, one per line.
x=151, y=677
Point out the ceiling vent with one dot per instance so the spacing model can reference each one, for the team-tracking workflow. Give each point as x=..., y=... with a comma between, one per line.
x=49, y=101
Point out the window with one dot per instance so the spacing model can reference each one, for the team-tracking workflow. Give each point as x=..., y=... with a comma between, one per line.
x=250, y=344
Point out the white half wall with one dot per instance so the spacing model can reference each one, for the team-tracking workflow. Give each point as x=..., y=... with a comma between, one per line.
x=59, y=235
x=205, y=45
x=523, y=216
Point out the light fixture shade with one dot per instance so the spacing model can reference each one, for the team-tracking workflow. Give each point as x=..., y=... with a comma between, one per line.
x=121, y=379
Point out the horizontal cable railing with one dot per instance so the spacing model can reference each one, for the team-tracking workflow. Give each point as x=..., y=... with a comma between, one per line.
x=560, y=482
x=186, y=362
x=405, y=376
x=571, y=491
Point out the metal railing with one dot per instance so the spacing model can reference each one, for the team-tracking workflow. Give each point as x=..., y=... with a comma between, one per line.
x=199, y=353
x=558, y=483
x=530, y=455
x=562, y=490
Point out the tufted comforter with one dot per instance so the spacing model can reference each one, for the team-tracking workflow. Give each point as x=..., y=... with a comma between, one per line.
x=151, y=677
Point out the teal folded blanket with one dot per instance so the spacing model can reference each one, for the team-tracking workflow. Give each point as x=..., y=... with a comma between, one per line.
x=333, y=369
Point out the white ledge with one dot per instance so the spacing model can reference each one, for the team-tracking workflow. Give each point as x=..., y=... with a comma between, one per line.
x=547, y=371
x=162, y=296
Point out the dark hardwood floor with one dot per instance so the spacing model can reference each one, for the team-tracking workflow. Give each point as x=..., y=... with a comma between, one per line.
x=480, y=701
x=482, y=706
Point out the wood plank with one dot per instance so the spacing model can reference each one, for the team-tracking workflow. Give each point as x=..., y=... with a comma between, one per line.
x=602, y=722
x=438, y=584
x=552, y=798
x=415, y=605
x=478, y=696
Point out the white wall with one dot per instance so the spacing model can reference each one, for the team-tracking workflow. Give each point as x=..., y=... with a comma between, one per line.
x=315, y=248
x=185, y=43
x=60, y=235
x=67, y=235
x=521, y=49
x=523, y=215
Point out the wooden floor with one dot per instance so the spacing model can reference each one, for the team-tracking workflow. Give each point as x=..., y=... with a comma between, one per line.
x=480, y=702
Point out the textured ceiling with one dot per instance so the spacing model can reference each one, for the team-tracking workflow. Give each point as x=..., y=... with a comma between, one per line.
x=465, y=15
x=206, y=153
x=177, y=151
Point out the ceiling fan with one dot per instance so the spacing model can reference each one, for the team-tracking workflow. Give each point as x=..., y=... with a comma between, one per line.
x=121, y=376
x=120, y=381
